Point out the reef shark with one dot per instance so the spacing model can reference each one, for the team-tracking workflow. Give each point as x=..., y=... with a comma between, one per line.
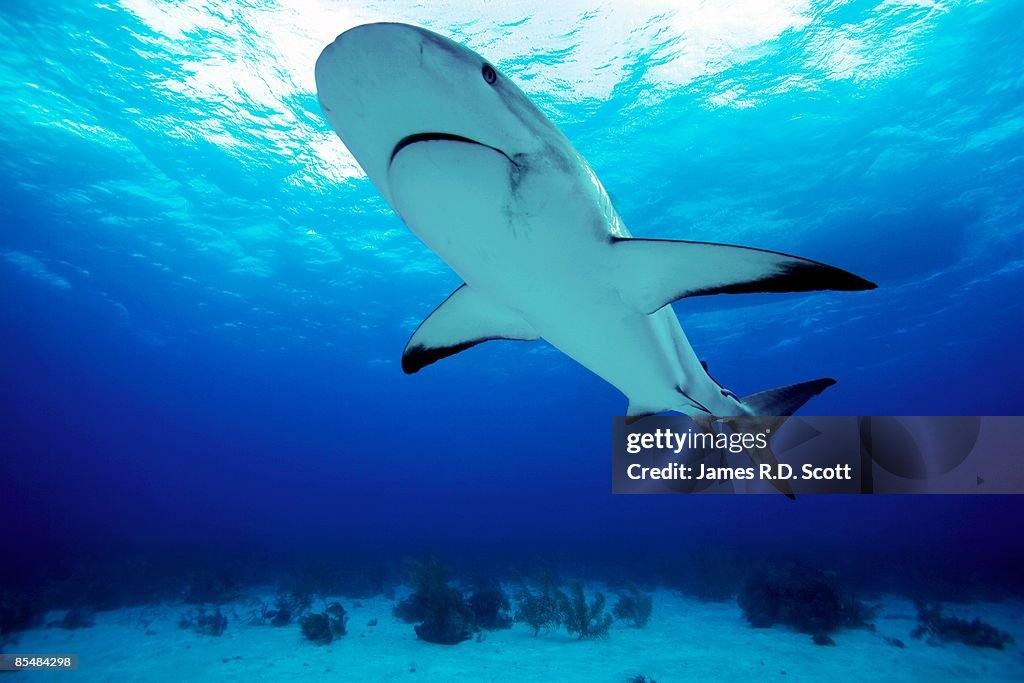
x=488, y=182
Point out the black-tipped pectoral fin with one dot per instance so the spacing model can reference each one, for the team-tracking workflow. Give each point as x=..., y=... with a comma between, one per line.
x=415, y=357
x=655, y=273
x=463, y=320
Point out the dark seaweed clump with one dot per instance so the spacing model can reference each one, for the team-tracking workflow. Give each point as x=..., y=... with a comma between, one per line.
x=18, y=612
x=282, y=613
x=491, y=608
x=802, y=598
x=541, y=608
x=445, y=616
x=585, y=620
x=548, y=606
x=317, y=628
x=338, y=618
x=976, y=632
x=634, y=607
x=74, y=619
x=203, y=622
x=288, y=607
x=322, y=628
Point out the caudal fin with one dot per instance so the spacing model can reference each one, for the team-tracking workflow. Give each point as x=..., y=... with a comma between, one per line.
x=784, y=401
x=777, y=404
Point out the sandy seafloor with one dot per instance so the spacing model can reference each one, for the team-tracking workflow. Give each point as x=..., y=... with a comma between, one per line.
x=686, y=639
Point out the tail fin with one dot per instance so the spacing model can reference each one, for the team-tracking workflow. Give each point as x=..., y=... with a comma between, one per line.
x=784, y=401
x=778, y=404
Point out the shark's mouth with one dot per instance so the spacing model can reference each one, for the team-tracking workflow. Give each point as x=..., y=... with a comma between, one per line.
x=439, y=137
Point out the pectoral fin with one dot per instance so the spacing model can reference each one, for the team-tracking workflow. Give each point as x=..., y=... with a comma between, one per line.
x=655, y=273
x=464, y=319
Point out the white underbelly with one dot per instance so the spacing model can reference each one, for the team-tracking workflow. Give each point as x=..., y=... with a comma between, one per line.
x=626, y=349
x=538, y=243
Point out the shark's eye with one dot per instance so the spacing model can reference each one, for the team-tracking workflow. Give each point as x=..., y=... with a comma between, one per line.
x=489, y=74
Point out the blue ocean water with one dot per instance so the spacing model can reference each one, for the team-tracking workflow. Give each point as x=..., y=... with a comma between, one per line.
x=204, y=301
